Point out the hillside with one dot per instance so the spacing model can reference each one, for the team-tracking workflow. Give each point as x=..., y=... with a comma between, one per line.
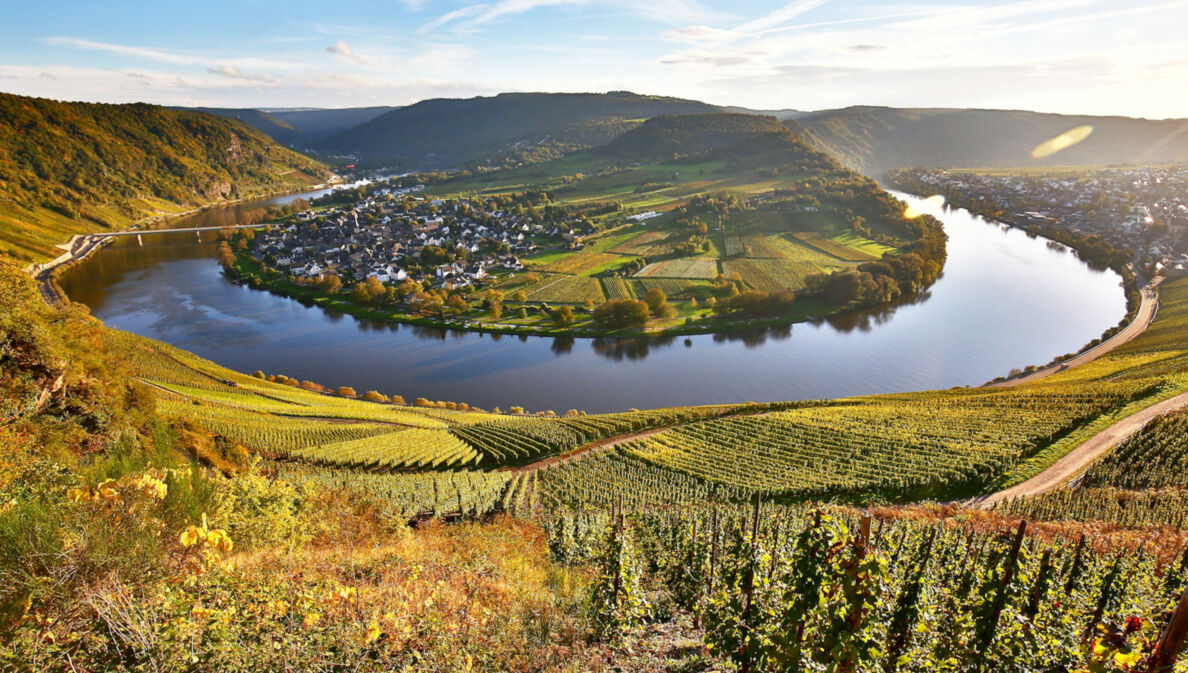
x=757, y=140
x=508, y=128
x=874, y=139
x=299, y=127
x=69, y=168
x=264, y=122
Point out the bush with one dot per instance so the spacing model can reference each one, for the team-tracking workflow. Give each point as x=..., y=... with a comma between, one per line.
x=375, y=396
x=345, y=391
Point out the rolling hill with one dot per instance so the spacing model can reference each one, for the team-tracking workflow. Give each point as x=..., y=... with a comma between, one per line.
x=509, y=128
x=874, y=139
x=68, y=168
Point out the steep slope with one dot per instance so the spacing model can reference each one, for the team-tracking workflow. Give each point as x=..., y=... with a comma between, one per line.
x=754, y=139
x=874, y=139
x=509, y=128
x=69, y=168
x=315, y=125
x=264, y=122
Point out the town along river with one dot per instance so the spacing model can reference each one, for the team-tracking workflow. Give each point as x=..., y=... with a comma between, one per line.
x=1005, y=301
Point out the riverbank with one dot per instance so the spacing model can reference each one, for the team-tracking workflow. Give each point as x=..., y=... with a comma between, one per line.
x=1148, y=307
x=81, y=246
x=252, y=275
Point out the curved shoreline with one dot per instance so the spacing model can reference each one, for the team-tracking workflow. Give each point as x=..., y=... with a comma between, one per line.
x=1148, y=308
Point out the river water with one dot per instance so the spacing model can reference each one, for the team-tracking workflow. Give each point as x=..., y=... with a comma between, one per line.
x=1005, y=301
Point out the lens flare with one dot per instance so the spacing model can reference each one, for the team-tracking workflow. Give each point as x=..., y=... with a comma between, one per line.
x=929, y=205
x=1061, y=142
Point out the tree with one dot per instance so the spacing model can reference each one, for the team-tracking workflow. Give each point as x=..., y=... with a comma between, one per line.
x=516, y=410
x=397, y=399
x=345, y=391
x=496, y=310
x=656, y=300
x=375, y=396
x=457, y=303
x=563, y=316
x=226, y=256
x=330, y=284
x=619, y=313
x=520, y=297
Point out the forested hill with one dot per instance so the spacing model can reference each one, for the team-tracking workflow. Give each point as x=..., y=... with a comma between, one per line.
x=509, y=128
x=69, y=168
x=874, y=139
x=755, y=139
x=300, y=127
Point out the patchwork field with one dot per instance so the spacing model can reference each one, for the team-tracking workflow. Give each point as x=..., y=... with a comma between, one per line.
x=581, y=262
x=682, y=267
x=564, y=289
x=771, y=275
x=672, y=287
x=832, y=247
x=641, y=244
x=617, y=288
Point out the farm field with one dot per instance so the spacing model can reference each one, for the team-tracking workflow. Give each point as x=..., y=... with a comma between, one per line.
x=672, y=287
x=682, y=267
x=565, y=289
x=829, y=246
x=579, y=263
x=773, y=275
x=640, y=244
x=617, y=288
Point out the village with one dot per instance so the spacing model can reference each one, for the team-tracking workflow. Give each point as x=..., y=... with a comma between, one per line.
x=394, y=234
x=1142, y=208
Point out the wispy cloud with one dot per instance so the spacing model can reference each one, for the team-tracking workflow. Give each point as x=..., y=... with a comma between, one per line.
x=236, y=73
x=472, y=17
x=145, y=53
x=344, y=50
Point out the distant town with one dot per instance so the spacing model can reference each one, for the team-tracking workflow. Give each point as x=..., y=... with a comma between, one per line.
x=393, y=234
x=1141, y=208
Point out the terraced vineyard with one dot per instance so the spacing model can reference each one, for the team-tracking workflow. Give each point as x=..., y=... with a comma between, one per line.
x=1141, y=482
x=919, y=445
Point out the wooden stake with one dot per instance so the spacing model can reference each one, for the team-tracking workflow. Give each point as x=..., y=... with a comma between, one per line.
x=1167, y=651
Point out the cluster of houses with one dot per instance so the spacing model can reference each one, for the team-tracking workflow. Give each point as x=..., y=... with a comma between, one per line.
x=1144, y=208
x=386, y=234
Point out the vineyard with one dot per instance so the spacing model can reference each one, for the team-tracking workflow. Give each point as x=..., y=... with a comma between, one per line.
x=805, y=588
x=696, y=268
x=831, y=247
x=617, y=288
x=562, y=289
x=580, y=262
x=1141, y=482
x=673, y=288
x=773, y=275
x=643, y=244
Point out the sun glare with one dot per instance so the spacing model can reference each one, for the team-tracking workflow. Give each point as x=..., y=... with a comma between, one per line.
x=1061, y=142
x=930, y=205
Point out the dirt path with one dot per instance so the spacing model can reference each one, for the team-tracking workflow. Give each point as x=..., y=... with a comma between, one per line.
x=1148, y=307
x=605, y=443
x=1081, y=457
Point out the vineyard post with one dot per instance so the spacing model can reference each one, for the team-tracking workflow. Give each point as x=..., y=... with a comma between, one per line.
x=1071, y=582
x=1008, y=575
x=1167, y=650
x=696, y=551
x=749, y=589
x=617, y=524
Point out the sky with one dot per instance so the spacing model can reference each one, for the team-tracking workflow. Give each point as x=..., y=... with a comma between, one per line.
x=1127, y=57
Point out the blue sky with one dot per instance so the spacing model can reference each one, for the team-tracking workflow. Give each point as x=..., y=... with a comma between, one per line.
x=1082, y=56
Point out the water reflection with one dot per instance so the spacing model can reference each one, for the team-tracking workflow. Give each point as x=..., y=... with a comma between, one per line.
x=983, y=317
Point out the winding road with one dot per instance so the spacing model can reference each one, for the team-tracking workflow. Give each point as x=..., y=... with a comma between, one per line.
x=1148, y=307
x=1075, y=461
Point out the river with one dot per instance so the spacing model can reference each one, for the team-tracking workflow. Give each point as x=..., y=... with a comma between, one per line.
x=1005, y=301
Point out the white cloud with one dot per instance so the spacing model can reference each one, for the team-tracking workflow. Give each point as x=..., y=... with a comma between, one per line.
x=344, y=50
x=236, y=73
x=146, y=53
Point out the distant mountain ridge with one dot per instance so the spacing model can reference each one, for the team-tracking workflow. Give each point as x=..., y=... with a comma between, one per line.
x=508, y=128
x=299, y=127
x=875, y=139
x=754, y=139
x=68, y=168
